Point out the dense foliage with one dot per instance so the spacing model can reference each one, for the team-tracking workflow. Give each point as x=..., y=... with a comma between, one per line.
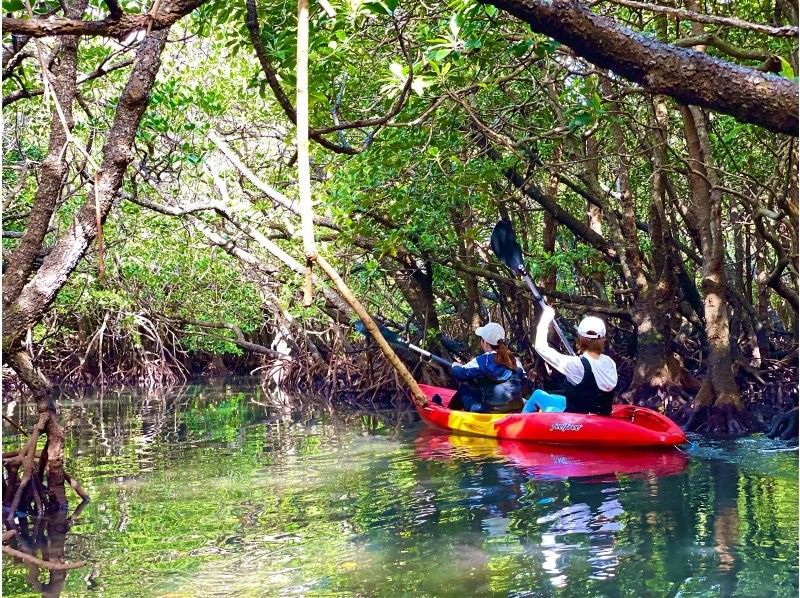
x=428, y=124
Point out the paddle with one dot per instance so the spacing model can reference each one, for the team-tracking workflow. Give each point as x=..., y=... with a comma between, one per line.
x=508, y=251
x=393, y=339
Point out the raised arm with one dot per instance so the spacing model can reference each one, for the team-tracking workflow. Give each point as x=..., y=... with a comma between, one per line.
x=555, y=359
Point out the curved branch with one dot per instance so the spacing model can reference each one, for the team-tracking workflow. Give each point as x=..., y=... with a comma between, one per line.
x=114, y=26
x=95, y=74
x=32, y=560
x=285, y=103
x=709, y=19
x=239, y=341
x=690, y=77
x=770, y=63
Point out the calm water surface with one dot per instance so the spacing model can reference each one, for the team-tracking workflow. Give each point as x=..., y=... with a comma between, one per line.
x=206, y=491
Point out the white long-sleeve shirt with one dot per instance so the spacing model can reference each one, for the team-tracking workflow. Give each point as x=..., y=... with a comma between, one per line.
x=604, y=368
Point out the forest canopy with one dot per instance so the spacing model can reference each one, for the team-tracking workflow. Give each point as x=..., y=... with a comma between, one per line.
x=646, y=154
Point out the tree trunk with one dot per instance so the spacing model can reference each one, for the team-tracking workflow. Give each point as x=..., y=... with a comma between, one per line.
x=54, y=167
x=657, y=373
x=719, y=399
x=69, y=249
x=466, y=249
x=762, y=330
x=550, y=230
x=417, y=289
x=657, y=369
x=36, y=296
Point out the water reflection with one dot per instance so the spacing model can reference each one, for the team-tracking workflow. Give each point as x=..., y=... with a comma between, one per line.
x=586, y=527
x=38, y=543
x=555, y=462
x=213, y=490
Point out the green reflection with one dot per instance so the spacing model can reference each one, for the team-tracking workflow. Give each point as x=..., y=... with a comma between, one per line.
x=203, y=492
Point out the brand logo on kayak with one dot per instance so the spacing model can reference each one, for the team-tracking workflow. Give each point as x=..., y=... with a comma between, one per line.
x=566, y=427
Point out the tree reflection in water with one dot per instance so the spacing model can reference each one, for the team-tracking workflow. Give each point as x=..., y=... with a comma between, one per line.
x=39, y=544
x=213, y=490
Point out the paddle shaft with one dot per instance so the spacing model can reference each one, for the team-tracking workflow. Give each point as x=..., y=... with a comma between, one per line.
x=540, y=300
x=392, y=338
x=428, y=355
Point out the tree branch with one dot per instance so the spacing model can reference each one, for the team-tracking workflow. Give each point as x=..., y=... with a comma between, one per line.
x=114, y=26
x=693, y=78
x=285, y=103
x=709, y=19
x=239, y=341
x=95, y=74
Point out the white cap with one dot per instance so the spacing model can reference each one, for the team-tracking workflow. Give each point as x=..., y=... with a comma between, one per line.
x=592, y=327
x=491, y=332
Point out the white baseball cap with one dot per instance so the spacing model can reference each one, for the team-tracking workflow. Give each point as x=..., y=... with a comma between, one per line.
x=592, y=327
x=491, y=332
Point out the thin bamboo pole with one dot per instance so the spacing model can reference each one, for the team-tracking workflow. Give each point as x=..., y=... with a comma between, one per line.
x=307, y=212
x=303, y=166
x=416, y=393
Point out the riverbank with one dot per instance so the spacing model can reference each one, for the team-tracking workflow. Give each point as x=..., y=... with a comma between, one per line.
x=361, y=378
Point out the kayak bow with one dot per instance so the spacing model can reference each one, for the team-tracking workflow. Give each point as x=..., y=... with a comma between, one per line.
x=627, y=426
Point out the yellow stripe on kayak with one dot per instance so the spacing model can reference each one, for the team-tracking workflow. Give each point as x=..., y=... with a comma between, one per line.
x=482, y=424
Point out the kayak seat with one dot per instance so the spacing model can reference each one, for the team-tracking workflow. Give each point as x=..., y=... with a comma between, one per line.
x=512, y=407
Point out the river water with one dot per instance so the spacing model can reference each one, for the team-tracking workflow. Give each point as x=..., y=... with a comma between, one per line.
x=208, y=491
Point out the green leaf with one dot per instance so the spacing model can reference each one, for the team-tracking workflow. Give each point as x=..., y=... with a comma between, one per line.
x=440, y=55
x=580, y=120
x=786, y=68
x=456, y=20
x=490, y=10
x=13, y=5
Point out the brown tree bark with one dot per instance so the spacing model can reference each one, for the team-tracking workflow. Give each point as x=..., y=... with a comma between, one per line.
x=54, y=167
x=595, y=212
x=68, y=250
x=719, y=400
x=657, y=368
x=415, y=283
x=461, y=221
x=117, y=25
x=550, y=230
x=657, y=374
x=690, y=77
x=36, y=296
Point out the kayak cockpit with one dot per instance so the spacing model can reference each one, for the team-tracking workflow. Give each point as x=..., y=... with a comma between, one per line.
x=627, y=425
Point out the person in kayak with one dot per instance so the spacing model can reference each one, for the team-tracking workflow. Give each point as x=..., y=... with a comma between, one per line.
x=492, y=381
x=591, y=376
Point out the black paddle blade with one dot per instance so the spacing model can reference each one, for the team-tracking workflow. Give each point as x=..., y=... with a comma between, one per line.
x=505, y=246
x=390, y=336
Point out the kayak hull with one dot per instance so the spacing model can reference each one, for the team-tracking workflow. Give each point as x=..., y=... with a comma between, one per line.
x=627, y=426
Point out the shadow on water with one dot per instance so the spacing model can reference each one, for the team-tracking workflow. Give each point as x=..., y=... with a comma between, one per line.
x=216, y=489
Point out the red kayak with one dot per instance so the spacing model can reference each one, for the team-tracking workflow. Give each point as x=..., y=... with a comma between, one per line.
x=547, y=461
x=627, y=426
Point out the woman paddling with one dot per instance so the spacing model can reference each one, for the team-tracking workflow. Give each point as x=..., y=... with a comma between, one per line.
x=492, y=381
x=591, y=375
